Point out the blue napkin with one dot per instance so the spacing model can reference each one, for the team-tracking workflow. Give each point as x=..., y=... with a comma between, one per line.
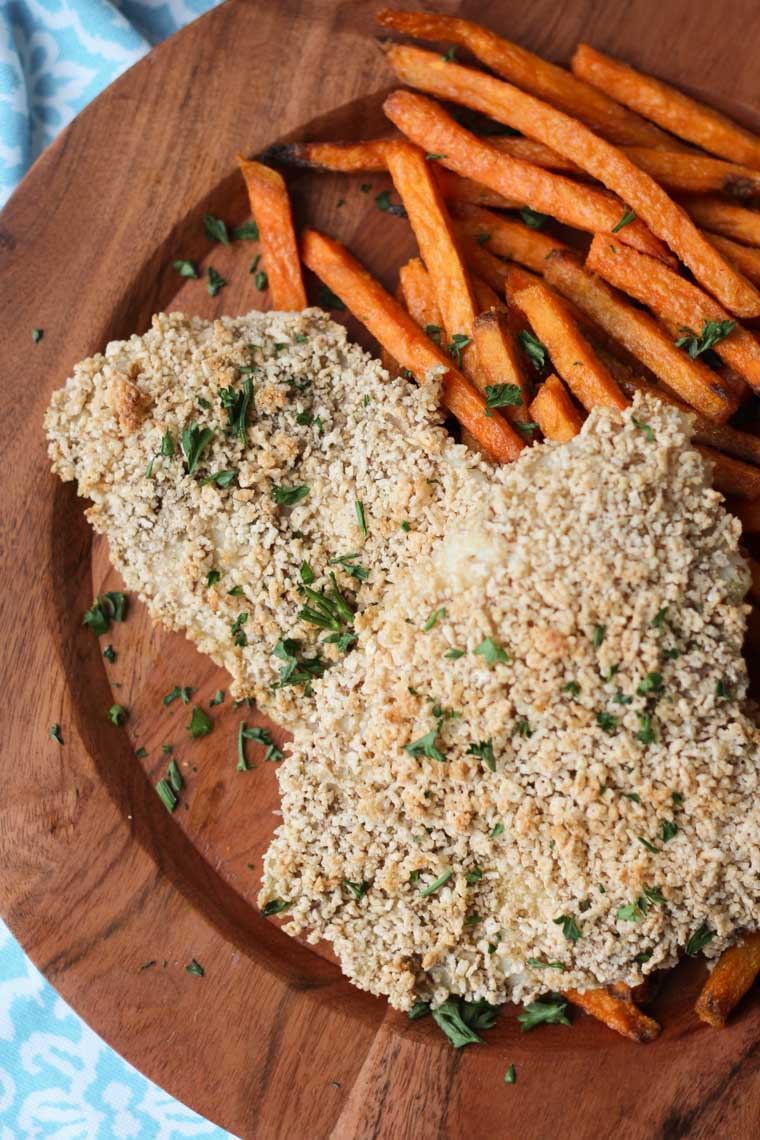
x=57, y=55
x=57, y=1078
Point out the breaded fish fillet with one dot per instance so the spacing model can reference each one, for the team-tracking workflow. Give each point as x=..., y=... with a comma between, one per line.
x=258, y=479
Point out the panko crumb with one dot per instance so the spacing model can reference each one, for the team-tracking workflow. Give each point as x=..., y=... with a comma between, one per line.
x=536, y=771
x=324, y=416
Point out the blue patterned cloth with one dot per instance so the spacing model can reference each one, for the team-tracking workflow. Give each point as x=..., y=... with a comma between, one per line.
x=57, y=1078
x=57, y=55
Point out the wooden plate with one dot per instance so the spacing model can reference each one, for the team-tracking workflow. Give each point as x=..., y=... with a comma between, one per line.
x=97, y=879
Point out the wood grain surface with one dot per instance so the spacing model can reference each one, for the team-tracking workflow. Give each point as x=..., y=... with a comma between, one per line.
x=96, y=878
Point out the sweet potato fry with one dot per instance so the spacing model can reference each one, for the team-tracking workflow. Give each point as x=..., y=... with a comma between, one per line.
x=735, y=972
x=482, y=263
x=673, y=299
x=744, y=257
x=554, y=411
x=725, y=218
x=584, y=207
x=506, y=237
x=346, y=157
x=571, y=354
x=419, y=191
x=501, y=361
x=641, y=337
x=455, y=188
x=529, y=150
x=696, y=173
x=748, y=513
x=270, y=205
x=531, y=73
x=400, y=334
x=662, y=104
x=614, y=1006
x=597, y=157
x=486, y=297
x=419, y=300
x=731, y=476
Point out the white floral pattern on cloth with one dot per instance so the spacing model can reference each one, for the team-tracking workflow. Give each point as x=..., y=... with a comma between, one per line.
x=59, y=1081
x=57, y=55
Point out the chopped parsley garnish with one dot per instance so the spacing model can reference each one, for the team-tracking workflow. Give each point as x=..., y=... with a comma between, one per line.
x=699, y=939
x=193, y=441
x=109, y=607
x=360, y=517
x=723, y=690
x=572, y=688
x=474, y=876
x=510, y=1077
x=570, y=927
x=458, y=342
x=652, y=683
x=195, y=968
x=502, y=396
x=37, y=335
x=433, y=619
x=175, y=776
x=534, y=350
x=117, y=714
x=347, y=563
x=179, y=691
x=248, y=231
x=383, y=200
x=236, y=403
x=167, y=749
x=646, y=734
x=434, y=332
x=543, y=1013
x=275, y=906
x=55, y=734
x=221, y=478
x=296, y=670
x=215, y=229
x=426, y=746
x=646, y=428
x=607, y=721
x=235, y=592
x=365, y=187
x=498, y=829
x=649, y=846
x=185, y=268
x=200, y=723
x=484, y=749
x=167, y=795
x=259, y=736
x=658, y=621
x=654, y=895
x=473, y=920
x=631, y=912
x=481, y=239
x=212, y=577
x=306, y=573
x=491, y=651
x=533, y=218
x=599, y=632
x=522, y=728
x=217, y=698
x=449, y=1017
x=304, y=419
x=215, y=282
x=539, y=964
x=329, y=611
x=141, y=753
x=261, y=281
x=329, y=300
x=418, y=1010
x=239, y=636
x=668, y=829
x=289, y=496
x=454, y=654
x=713, y=332
x=628, y=216
x=357, y=890
x=449, y=55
